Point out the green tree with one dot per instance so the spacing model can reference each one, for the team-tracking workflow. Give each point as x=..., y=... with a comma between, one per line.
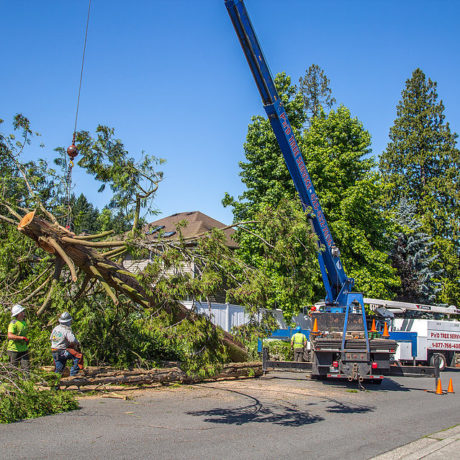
x=265, y=174
x=84, y=215
x=411, y=256
x=134, y=316
x=133, y=183
x=336, y=151
x=315, y=90
x=422, y=164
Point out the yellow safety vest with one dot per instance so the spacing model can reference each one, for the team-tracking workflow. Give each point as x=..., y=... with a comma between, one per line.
x=299, y=340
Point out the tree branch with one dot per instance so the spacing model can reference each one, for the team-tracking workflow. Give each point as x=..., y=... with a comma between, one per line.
x=36, y=291
x=54, y=244
x=93, y=237
x=94, y=244
x=57, y=273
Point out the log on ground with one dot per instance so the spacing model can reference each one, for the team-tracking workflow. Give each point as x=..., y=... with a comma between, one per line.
x=110, y=376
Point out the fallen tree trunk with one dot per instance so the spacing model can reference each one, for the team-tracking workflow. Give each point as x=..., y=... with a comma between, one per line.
x=82, y=253
x=110, y=376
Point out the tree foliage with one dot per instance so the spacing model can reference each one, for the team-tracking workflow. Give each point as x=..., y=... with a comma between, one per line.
x=115, y=330
x=336, y=150
x=315, y=91
x=133, y=183
x=121, y=317
x=412, y=257
x=22, y=398
x=421, y=164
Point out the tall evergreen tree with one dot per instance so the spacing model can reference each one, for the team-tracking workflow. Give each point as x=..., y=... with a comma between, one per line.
x=422, y=164
x=315, y=90
x=84, y=215
x=411, y=256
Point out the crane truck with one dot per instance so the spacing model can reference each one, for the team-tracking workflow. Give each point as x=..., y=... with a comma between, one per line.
x=341, y=347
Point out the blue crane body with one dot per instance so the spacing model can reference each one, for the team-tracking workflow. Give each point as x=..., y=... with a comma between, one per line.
x=338, y=286
x=340, y=301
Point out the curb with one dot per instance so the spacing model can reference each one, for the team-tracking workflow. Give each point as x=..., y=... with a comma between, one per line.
x=440, y=445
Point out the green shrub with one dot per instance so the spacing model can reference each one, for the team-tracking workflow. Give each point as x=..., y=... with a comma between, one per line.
x=279, y=350
x=23, y=398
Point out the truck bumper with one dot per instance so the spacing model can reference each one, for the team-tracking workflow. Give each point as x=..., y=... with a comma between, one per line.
x=344, y=376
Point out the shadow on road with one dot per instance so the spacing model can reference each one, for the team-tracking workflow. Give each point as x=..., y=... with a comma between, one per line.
x=387, y=385
x=284, y=414
x=339, y=407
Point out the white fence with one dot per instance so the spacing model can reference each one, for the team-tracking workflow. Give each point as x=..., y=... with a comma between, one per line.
x=227, y=315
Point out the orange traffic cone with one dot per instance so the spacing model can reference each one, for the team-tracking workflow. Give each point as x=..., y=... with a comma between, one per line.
x=439, y=388
x=314, y=331
x=385, y=334
x=373, y=329
x=450, y=388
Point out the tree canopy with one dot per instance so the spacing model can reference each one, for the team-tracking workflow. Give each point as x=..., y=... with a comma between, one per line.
x=421, y=165
x=336, y=150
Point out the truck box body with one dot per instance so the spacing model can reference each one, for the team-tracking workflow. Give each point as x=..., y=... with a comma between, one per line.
x=354, y=360
x=432, y=336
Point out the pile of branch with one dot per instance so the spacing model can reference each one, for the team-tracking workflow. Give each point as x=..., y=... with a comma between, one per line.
x=97, y=376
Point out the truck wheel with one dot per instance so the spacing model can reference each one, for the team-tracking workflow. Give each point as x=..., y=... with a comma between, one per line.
x=442, y=361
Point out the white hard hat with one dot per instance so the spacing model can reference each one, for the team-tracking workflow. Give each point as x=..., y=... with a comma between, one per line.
x=65, y=319
x=17, y=309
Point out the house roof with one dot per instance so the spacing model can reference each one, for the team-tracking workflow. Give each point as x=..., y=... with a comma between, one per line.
x=197, y=224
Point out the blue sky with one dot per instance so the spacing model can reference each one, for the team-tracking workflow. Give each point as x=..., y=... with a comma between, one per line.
x=171, y=78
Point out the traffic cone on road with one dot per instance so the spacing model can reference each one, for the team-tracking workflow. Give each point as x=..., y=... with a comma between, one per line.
x=439, y=388
x=385, y=334
x=450, y=388
x=373, y=329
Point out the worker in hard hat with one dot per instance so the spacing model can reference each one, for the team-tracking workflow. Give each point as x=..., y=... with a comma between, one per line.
x=298, y=343
x=18, y=343
x=65, y=346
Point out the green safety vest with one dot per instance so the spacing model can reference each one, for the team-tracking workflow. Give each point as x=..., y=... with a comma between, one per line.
x=298, y=339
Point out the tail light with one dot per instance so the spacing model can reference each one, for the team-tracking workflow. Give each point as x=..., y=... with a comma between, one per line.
x=374, y=365
x=335, y=364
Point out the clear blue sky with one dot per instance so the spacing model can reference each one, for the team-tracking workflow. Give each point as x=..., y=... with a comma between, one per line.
x=171, y=78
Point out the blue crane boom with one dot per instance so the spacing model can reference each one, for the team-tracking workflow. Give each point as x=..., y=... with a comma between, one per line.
x=338, y=286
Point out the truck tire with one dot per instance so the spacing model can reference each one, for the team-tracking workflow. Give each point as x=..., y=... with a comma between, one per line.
x=442, y=361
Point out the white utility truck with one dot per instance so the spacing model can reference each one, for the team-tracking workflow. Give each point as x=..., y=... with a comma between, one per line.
x=424, y=333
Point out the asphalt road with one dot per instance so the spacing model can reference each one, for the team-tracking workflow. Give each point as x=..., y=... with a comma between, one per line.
x=283, y=415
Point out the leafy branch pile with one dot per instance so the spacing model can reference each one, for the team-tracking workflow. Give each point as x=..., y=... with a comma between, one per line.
x=22, y=396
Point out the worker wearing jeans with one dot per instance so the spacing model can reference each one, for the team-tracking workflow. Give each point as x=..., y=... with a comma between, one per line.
x=60, y=358
x=298, y=342
x=64, y=346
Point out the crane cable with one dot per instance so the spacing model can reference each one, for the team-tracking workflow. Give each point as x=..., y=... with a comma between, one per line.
x=72, y=150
